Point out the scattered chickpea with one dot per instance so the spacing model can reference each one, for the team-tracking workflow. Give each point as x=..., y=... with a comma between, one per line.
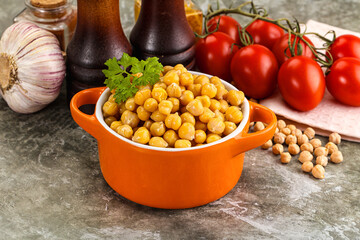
x=277, y=149
x=315, y=142
x=279, y=138
x=307, y=166
x=322, y=160
x=307, y=147
x=336, y=157
x=291, y=127
x=331, y=147
x=290, y=139
x=335, y=138
x=285, y=157
x=318, y=171
x=258, y=126
x=281, y=124
x=321, y=151
x=297, y=132
x=267, y=145
x=305, y=156
x=309, y=132
x=302, y=139
x=286, y=131
x=293, y=148
x=277, y=130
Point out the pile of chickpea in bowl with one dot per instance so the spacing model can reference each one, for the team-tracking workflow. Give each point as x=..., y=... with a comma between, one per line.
x=182, y=110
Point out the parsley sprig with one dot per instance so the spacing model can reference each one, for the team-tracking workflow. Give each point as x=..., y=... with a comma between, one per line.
x=120, y=75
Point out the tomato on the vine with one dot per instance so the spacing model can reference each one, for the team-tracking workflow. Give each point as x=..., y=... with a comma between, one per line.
x=264, y=33
x=343, y=81
x=213, y=54
x=227, y=25
x=254, y=69
x=283, y=43
x=301, y=83
x=345, y=46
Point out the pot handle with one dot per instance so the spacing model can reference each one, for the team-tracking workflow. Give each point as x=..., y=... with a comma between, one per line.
x=252, y=140
x=87, y=122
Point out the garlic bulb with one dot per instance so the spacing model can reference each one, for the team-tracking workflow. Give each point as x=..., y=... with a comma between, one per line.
x=32, y=67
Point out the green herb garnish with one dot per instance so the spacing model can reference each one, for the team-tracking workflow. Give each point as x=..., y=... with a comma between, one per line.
x=120, y=75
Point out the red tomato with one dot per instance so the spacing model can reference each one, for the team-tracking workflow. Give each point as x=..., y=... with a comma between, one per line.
x=265, y=33
x=282, y=43
x=301, y=83
x=343, y=81
x=227, y=25
x=254, y=69
x=345, y=46
x=213, y=54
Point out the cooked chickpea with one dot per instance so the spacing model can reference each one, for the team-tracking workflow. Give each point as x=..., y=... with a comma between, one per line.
x=207, y=115
x=142, y=135
x=160, y=85
x=318, y=171
x=281, y=124
x=293, y=148
x=321, y=151
x=157, y=129
x=141, y=96
x=305, y=156
x=335, y=138
x=279, y=138
x=309, y=132
x=187, y=131
x=200, y=136
x=336, y=157
x=186, y=79
x=170, y=136
x=122, y=108
x=186, y=97
x=165, y=107
x=268, y=144
x=233, y=114
x=214, y=105
x=157, y=116
x=221, y=92
x=235, y=98
x=220, y=115
x=286, y=131
x=111, y=98
x=109, y=120
x=182, y=143
x=322, y=160
x=171, y=77
x=229, y=127
x=223, y=105
x=212, y=137
x=302, y=139
x=188, y=117
x=201, y=79
x=307, y=166
x=307, y=147
x=195, y=107
x=277, y=149
x=290, y=139
x=125, y=131
x=180, y=68
x=331, y=147
x=174, y=90
x=142, y=113
x=110, y=108
x=195, y=89
x=130, y=118
x=173, y=121
x=166, y=69
x=215, y=125
x=200, y=126
x=258, y=126
x=209, y=90
x=158, y=142
x=150, y=105
x=130, y=104
x=148, y=123
x=159, y=94
x=176, y=104
x=115, y=124
x=315, y=142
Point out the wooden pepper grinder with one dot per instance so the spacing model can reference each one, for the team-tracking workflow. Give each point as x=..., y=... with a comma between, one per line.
x=162, y=30
x=98, y=37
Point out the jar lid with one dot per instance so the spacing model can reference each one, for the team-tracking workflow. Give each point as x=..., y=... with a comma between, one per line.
x=48, y=3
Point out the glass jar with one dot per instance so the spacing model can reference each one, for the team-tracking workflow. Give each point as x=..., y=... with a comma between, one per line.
x=56, y=16
x=193, y=13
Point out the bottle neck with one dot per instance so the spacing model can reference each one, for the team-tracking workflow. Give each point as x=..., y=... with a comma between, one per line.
x=164, y=9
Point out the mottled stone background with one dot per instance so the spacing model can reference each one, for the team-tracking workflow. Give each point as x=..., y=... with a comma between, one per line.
x=51, y=186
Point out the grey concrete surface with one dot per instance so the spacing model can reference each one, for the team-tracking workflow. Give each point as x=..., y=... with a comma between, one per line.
x=51, y=186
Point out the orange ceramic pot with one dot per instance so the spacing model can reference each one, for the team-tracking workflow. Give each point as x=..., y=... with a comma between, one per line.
x=171, y=178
